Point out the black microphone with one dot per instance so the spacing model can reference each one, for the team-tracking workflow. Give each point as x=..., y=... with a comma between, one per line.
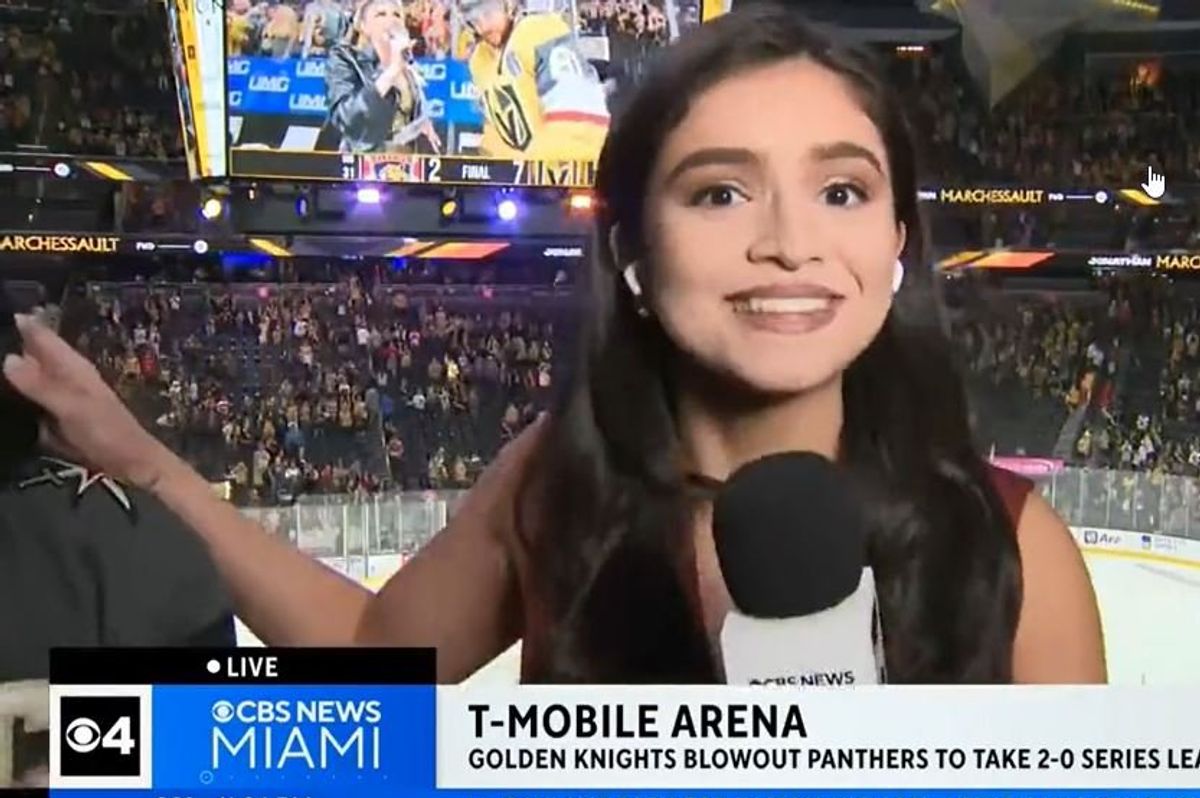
x=790, y=537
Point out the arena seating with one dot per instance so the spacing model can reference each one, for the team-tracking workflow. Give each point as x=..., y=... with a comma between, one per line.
x=327, y=387
x=70, y=90
x=1031, y=361
x=330, y=388
x=1058, y=128
x=88, y=78
x=324, y=388
x=259, y=385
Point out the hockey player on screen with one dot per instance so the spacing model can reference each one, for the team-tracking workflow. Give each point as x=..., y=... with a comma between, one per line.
x=540, y=97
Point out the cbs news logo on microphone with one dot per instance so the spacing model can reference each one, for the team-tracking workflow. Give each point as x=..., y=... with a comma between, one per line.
x=100, y=736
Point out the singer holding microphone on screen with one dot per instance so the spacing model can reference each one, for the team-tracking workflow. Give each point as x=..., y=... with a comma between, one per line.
x=760, y=292
x=375, y=95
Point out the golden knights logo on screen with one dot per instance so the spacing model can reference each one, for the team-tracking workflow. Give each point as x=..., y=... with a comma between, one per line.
x=505, y=111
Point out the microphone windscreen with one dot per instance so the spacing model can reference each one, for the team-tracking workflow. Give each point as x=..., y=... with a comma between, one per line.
x=790, y=536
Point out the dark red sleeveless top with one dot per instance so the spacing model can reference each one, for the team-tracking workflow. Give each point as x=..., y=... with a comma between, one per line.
x=1014, y=490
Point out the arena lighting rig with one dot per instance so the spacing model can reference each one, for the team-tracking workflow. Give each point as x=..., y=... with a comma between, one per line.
x=381, y=209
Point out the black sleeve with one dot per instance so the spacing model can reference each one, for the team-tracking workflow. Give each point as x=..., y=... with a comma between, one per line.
x=222, y=633
x=87, y=562
x=158, y=585
x=355, y=108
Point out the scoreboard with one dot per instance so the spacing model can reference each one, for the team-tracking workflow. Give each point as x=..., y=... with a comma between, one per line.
x=406, y=168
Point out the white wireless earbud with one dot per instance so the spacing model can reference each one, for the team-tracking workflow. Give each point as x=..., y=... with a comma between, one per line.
x=897, y=276
x=631, y=280
x=635, y=288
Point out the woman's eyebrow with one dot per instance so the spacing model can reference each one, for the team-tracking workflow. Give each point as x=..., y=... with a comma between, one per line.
x=739, y=156
x=708, y=156
x=845, y=149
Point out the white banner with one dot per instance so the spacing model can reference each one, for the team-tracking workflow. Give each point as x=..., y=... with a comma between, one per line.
x=1137, y=545
x=889, y=737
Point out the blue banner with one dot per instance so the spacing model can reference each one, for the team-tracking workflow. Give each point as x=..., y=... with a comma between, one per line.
x=344, y=792
x=296, y=87
x=273, y=739
x=278, y=738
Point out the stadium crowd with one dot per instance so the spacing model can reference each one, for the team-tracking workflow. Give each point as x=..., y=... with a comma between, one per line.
x=63, y=86
x=79, y=78
x=284, y=390
x=629, y=18
x=1085, y=130
x=355, y=385
x=311, y=27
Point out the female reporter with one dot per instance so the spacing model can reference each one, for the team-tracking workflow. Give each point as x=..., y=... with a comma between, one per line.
x=376, y=98
x=745, y=298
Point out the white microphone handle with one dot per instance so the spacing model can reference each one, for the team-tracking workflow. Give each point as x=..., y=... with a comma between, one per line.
x=834, y=647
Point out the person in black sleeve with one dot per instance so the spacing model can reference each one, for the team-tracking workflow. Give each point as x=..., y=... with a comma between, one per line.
x=87, y=561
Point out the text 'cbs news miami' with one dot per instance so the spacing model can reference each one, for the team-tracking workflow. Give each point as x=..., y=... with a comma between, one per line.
x=314, y=719
x=379, y=730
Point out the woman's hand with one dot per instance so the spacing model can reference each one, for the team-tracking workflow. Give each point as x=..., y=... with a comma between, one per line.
x=84, y=418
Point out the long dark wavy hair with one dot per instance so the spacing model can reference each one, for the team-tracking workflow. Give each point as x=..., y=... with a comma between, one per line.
x=613, y=505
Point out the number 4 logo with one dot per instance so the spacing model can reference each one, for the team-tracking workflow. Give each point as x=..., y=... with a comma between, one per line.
x=83, y=736
x=100, y=736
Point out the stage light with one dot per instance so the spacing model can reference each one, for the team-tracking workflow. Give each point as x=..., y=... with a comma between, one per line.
x=506, y=210
x=449, y=208
x=62, y=169
x=200, y=247
x=303, y=206
x=580, y=201
x=368, y=195
x=212, y=208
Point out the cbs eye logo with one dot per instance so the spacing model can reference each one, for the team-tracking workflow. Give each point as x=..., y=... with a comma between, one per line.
x=222, y=712
x=101, y=736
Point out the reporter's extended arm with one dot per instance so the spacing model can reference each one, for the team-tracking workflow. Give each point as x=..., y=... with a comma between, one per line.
x=459, y=595
x=286, y=597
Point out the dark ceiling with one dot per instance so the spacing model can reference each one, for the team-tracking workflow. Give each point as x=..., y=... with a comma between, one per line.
x=1169, y=9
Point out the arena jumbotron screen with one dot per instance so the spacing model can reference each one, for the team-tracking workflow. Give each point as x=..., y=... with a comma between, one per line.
x=433, y=91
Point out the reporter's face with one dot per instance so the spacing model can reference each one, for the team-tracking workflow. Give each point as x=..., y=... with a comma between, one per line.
x=771, y=246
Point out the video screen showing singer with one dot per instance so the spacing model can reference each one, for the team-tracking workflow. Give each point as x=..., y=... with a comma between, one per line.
x=508, y=79
x=376, y=96
x=758, y=289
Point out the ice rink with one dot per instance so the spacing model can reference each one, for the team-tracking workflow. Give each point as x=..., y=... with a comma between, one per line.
x=1150, y=607
x=1151, y=613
